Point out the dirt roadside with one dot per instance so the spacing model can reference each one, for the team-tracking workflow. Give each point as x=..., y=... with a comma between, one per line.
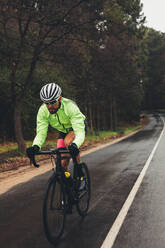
x=11, y=178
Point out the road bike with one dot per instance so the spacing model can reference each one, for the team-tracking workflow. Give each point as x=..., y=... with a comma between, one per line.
x=60, y=192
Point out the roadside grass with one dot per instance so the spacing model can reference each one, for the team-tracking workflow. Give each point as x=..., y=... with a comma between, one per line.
x=106, y=135
x=160, y=110
x=10, y=149
x=11, y=158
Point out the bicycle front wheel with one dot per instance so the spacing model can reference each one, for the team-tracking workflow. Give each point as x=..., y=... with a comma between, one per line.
x=54, y=210
x=85, y=194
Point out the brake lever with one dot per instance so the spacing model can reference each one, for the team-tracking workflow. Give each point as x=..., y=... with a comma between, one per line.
x=32, y=161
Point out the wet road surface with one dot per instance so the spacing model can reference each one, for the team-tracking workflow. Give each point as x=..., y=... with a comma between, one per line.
x=113, y=171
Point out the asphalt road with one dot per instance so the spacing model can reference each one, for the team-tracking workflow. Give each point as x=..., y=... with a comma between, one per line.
x=113, y=171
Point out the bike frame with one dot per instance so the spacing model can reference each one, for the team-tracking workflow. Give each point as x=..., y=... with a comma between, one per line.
x=55, y=155
x=59, y=177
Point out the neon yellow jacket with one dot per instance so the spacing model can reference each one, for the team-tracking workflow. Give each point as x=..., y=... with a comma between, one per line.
x=68, y=116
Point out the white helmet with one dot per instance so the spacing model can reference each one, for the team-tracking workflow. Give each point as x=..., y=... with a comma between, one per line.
x=50, y=92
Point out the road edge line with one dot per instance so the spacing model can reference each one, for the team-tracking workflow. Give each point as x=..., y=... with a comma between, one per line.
x=114, y=230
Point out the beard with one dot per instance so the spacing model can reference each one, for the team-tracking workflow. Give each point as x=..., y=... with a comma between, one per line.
x=53, y=110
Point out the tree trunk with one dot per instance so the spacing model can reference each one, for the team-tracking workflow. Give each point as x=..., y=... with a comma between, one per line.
x=17, y=114
x=111, y=114
x=91, y=118
x=18, y=127
x=98, y=117
x=115, y=114
x=18, y=104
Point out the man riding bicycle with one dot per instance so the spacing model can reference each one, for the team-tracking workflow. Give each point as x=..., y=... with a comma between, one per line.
x=64, y=115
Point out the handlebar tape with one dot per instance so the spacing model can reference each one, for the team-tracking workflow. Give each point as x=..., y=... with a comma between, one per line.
x=32, y=161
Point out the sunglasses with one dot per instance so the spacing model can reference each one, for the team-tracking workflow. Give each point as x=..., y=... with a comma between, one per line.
x=51, y=103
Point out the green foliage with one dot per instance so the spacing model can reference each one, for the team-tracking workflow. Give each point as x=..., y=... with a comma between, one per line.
x=154, y=81
x=93, y=49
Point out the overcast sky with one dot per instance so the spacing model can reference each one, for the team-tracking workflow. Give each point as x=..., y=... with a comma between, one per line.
x=154, y=10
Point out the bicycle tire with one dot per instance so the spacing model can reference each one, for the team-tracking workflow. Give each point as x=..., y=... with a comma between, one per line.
x=83, y=204
x=54, y=210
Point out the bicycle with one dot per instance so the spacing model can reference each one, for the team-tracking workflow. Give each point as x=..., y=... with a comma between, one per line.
x=58, y=194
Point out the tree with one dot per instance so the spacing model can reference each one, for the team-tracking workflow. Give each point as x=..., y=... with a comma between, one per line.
x=106, y=68
x=28, y=28
x=155, y=71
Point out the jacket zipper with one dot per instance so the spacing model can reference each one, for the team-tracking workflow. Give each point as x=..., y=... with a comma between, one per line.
x=60, y=122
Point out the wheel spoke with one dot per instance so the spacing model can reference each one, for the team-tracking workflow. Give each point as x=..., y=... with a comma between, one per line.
x=54, y=211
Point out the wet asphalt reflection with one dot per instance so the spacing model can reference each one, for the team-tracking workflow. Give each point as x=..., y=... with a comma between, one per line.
x=113, y=171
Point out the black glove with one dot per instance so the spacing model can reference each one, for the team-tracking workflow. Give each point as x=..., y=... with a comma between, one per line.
x=74, y=151
x=31, y=151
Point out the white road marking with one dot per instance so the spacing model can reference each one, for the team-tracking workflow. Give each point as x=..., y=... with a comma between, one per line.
x=111, y=236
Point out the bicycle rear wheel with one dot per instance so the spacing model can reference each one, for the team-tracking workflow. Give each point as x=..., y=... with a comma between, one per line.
x=54, y=210
x=85, y=194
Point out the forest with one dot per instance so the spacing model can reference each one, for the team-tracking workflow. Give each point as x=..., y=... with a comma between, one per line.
x=100, y=52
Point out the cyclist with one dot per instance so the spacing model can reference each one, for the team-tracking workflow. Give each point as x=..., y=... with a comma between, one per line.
x=64, y=115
